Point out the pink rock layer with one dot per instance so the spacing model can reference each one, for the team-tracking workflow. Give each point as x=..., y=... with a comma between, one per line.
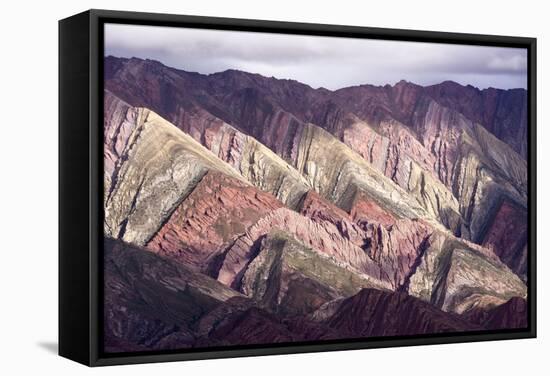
x=393, y=244
x=387, y=253
x=324, y=237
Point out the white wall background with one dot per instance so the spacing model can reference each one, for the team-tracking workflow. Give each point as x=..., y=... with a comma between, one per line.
x=28, y=186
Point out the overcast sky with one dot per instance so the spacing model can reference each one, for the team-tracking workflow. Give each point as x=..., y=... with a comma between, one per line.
x=327, y=62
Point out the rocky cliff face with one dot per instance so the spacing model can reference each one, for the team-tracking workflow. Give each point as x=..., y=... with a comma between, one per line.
x=241, y=209
x=407, y=132
x=501, y=112
x=119, y=121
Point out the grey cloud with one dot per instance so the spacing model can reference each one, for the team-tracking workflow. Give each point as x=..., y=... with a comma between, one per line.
x=320, y=61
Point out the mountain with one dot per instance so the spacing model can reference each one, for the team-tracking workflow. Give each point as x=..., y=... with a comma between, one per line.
x=157, y=169
x=455, y=275
x=251, y=158
x=241, y=209
x=218, y=209
x=288, y=276
x=366, y=315
x=420, y=138
x=501, y=112
x=502, y=316
x=153, y=303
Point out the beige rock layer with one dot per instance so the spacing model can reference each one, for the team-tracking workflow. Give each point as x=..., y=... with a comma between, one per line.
x=159, y=167
x=257, y=163
x=323, y=237
x=458, y=276
x=336, y=172
x=287, y=276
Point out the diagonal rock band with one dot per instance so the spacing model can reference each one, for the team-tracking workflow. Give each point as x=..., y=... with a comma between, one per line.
x=241, y=209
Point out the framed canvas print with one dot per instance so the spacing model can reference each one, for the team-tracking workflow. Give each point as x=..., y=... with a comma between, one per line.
x=240, y=187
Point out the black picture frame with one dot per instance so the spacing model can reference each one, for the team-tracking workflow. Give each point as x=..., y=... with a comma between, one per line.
x=81, y=190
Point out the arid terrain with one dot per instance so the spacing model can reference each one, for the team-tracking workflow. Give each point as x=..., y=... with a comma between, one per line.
x=242, y=209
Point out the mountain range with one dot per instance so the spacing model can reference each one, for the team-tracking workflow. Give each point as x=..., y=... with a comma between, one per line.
x=243, y=209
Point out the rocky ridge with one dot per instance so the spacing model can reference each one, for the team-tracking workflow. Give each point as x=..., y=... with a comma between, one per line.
x=305, y=224
x=154, y=303
x=409, y=133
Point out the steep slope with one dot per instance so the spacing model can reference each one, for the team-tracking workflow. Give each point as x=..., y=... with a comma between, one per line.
x=170, y=91
x=218, y=209
x=158, y=168
x=507, y=236
x=457, y=170
x=501, y=112
x=407, y=132
x=295, y=199
x=255, y=162
x=285, y=134
x=456, y=275
x=484, y=175
x=339, y=174
x=288, y=277
x=431, y=264
x=119, y=121
x=386, y=255
x=152, y=303
x=393, y=244
x=258, y=164
x=511, y=315
x=375, y=313
x=393, y=149
x=323, y=237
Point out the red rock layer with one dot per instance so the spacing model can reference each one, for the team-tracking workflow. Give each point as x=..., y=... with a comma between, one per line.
x=387, y=253
x=321, y=210
x=218, y=209
x=376, y=313
x=507, y=236
x=407, y=123
x=398, y=248
x=365, y=210
x=316, y=207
